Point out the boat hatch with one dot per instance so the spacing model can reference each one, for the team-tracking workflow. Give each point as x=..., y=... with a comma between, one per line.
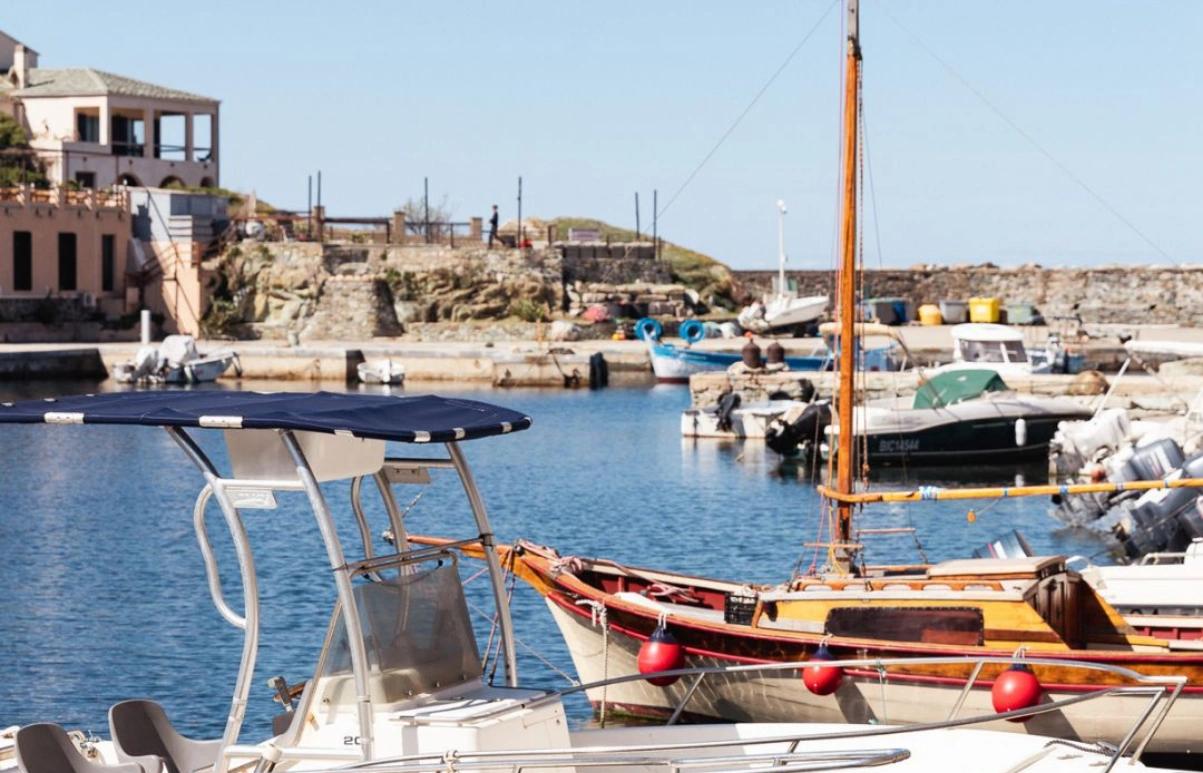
x=1034, y=567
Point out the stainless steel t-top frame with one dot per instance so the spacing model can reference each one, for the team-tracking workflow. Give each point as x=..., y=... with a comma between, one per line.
x=228, y=492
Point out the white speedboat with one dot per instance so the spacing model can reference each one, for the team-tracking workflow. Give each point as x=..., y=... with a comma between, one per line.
x=175, y=361
x=399, y=683
x=383, y=371
x=998, y=347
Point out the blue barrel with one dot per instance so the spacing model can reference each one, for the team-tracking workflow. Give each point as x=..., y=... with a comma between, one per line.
x=692, y=331
x=648, y=329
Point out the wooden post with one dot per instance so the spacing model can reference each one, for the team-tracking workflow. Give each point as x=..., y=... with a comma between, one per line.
x=397, y=229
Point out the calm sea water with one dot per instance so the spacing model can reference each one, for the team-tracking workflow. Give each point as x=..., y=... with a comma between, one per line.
x=102, y=588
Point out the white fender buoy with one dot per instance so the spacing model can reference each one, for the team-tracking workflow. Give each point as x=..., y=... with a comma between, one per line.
x=1021, y=433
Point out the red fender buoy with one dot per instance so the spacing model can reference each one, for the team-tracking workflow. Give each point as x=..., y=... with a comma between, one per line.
x=822, y=680
x=661, y=652
x=1016, y=688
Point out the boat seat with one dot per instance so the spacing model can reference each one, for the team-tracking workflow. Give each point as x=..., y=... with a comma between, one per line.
x=46, y=748
x=141, y=727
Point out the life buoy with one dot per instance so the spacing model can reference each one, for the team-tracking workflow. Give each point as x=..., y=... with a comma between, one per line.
x=692, y=331
x=648, y=329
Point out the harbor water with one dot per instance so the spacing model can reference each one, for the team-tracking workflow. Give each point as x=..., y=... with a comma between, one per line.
x=104, y=592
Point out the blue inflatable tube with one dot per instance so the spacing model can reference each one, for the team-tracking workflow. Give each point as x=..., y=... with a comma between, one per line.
x=648, y=329
x=692, y=331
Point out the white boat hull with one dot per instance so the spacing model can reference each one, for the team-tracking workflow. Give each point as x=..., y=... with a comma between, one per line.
x=749, y=697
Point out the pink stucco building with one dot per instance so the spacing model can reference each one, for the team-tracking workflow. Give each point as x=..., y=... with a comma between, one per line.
x=97, y=129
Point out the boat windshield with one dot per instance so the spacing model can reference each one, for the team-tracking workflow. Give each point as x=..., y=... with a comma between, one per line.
x=417, y=633
x=992, y=351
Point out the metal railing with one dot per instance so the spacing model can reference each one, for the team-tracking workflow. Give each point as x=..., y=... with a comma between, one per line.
x=791, y=762
x=1163, y=691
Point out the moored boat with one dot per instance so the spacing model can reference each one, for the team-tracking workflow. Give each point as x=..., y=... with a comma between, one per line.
x=175, y=361
x=958, y=416
x=383, y=371
x=399, y=683
x=972, y=608
x=882, y=622
x=674, y=364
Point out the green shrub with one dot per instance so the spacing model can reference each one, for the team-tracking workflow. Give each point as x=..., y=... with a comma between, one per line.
x=529, y=311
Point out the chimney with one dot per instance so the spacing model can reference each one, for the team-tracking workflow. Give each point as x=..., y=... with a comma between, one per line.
x=23, y=59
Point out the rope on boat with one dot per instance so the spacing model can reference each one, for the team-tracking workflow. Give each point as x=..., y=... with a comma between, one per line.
x=597, y=616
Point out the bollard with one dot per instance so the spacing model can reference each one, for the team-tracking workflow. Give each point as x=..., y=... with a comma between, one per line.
x=145, y=326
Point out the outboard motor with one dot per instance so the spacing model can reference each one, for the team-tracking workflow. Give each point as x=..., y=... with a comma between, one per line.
x=727, y=403
x=1153, y=461
x=1165, y=520
x=796, y=427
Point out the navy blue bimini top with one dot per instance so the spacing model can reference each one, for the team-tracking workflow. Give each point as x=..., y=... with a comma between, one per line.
x=409, y=419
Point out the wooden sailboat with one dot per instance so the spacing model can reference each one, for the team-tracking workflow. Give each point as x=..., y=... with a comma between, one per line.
x=610, y=614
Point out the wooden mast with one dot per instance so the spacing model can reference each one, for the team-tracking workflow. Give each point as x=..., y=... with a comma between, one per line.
x=846, y=292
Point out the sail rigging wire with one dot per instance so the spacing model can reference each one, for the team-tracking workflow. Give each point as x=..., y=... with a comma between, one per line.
x=747, y=109
x=864, y=138
x=1098, y=197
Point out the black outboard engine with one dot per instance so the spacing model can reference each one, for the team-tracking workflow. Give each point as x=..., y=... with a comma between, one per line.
x=727, y=403
x=797, y=427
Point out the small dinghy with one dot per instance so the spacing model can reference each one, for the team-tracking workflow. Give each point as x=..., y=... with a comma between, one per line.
x=381, y=372
x=175, y=361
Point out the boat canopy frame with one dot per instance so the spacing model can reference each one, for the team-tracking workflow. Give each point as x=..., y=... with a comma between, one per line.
x=234, y=494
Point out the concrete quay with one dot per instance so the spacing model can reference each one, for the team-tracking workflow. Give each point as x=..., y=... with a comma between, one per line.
x=507, y=363
x=1143, y=393
x=502, y=364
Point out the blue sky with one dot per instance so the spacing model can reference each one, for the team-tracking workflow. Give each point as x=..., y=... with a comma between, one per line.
x=591, y=102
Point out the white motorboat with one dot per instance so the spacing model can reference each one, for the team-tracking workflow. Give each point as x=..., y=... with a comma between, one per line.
x=745, y=422
x=998, y=347
x=383, y=371
x=399, y=684
x=175, y=361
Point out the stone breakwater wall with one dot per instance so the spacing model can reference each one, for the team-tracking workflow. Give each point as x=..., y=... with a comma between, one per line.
x=354, y=291
x=1116, y=294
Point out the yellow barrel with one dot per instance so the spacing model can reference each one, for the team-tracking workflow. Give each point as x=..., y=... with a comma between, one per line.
x=984, y=309
x=929, y=314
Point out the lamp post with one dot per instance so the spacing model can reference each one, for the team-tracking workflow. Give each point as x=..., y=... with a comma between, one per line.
x=780, y=247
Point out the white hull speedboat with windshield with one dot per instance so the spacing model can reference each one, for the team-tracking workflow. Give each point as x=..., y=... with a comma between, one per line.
x=1001, y=348
x=399, y=683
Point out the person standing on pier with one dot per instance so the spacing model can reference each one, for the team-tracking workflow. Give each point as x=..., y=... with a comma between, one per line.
x=493, y=227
